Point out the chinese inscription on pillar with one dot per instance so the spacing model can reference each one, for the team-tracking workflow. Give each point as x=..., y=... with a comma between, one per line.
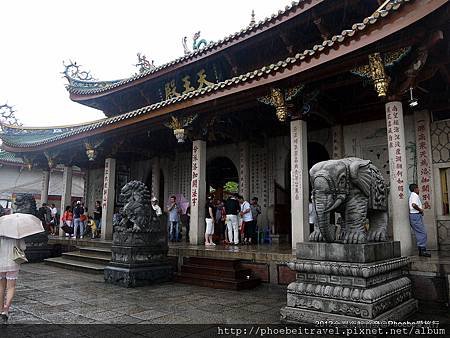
x=423, y=163
x=242, y=176
x=105, y=186
x=195, y=173
x=393, y=124
x=296, y=162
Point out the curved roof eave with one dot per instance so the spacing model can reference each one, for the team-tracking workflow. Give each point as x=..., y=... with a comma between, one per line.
x=95, y=89
x=359, y=36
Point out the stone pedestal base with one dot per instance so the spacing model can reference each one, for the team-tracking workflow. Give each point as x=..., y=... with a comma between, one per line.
x=348, y=282
x=138, y=259
x=37, y=247
x=138, y=276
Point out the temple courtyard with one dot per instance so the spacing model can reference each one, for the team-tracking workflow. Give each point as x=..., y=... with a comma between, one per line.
x=52, y=295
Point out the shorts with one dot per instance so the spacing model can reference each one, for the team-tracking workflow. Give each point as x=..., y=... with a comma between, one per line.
x=9, y=275
x=209, y=226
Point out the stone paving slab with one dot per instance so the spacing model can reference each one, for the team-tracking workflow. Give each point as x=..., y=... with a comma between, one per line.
x=47, y=294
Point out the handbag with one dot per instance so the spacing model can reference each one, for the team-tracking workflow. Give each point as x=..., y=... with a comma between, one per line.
x=19, y=256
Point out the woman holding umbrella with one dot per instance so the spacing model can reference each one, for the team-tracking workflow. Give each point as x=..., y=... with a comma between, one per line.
x=13, y=228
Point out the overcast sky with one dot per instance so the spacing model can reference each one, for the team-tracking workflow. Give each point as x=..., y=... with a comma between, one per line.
x=104, y=37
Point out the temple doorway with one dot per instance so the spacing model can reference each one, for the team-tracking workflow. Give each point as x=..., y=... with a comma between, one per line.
x=219, y=172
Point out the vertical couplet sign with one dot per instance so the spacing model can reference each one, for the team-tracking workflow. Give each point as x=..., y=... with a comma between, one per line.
x=105, y=186
x=423, y=163
x=242, y=178
x=394, y=142
x=195, y=173
x=296, y=162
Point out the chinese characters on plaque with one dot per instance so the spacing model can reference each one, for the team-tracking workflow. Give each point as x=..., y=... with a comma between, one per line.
x=170, y=88
x=423, y=164
x=105, y=186
x=195, y=173
x=296, y=162
x=394, y=143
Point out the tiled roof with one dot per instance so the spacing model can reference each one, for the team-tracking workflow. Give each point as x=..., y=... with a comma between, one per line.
x=94, y=87
x=10, y=158
x=12, y=140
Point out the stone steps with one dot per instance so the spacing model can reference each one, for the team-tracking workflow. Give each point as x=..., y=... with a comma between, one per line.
x=216, y=273
x=75, y=265
x=86, y=259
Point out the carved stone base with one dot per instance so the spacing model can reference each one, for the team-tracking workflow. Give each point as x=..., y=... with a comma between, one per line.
x=294, y=315
x=139, y=258
x=37, y=247
x=138, y=276
x=353, y=282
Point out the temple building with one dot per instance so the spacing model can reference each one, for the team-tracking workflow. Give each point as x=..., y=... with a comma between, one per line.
x=318, y=80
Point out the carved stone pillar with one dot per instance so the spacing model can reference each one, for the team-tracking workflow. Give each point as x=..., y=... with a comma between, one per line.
x=244, y=170
x=44, y=187
x=66, y=197
x=299, y=182
x=156, y=170
x=108, y=199
x=425, y=176
x=338, y=142
x=398, y=176
x=198, y=193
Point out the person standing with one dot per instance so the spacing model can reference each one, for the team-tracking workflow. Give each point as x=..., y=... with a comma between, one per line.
x=78, y=211
x=256, y=211
x=174, y=219
x=416, y=220
x=156, y=207
x=246, y=214
x=98, y=217
x=232, y=210
x=210, y=212
x=67, y=218
x=54, y=222
x=9, y=272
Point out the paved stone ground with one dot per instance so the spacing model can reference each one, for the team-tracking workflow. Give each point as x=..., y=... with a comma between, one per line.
x=52, y=295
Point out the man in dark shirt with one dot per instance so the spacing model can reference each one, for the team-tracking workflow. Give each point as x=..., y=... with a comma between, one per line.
x=98, y=217
x=232, y=209
x=77, y=223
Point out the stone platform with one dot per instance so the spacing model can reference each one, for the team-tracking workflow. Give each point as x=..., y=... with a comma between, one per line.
x=348, y=282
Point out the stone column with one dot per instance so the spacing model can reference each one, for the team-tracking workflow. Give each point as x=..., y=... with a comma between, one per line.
x=108, y=199
x=156, y=170
x=198, y=193
x=299, y=182
x=398, y=176
x=338, y=142
x=244, y=170
x=66, y=197
x=44, y=188
x=425, y=175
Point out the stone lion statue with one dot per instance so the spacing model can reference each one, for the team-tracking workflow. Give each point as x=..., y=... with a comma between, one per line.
x=26, y=204
x=137, y=214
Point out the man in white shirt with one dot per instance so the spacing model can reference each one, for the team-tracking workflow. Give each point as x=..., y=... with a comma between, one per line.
x=416, y=220
x=156, y=207
x=247, y=219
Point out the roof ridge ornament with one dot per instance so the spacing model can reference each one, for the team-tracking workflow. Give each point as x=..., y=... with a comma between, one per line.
x=196, y=43
x=143, y=64
x=252, y=20
x=8, y=116
x=72, y=72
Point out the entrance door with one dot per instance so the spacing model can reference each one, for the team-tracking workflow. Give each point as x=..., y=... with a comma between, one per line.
x=219, y=172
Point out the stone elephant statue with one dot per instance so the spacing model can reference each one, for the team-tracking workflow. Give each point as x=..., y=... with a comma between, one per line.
x=355, y=188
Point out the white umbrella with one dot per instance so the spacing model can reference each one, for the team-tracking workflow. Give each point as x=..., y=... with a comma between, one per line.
x=20, y=225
